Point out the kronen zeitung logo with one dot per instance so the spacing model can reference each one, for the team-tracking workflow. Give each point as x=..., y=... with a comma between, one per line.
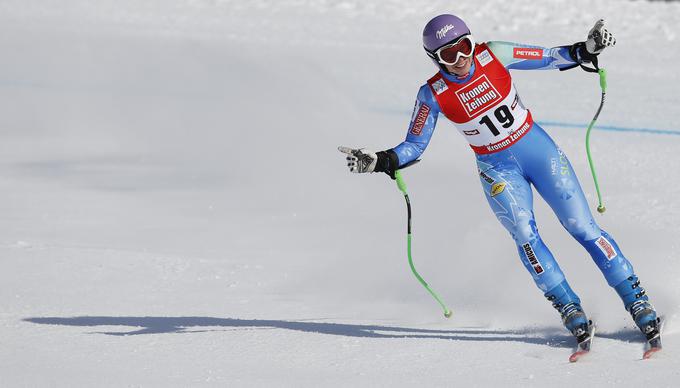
x=478, y=95
x=442, y=31
x=510, y=139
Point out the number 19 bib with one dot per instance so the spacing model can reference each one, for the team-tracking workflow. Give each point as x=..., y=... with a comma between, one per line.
x=487, y=109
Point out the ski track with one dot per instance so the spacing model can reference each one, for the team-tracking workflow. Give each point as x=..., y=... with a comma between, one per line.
x=174, y=211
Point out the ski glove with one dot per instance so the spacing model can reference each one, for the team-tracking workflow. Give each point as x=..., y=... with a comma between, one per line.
x=599, y=38
x=586, y=52
x=361, y=160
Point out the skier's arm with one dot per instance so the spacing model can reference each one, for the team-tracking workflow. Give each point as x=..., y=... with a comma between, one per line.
x=529, y=57
x=420, y=130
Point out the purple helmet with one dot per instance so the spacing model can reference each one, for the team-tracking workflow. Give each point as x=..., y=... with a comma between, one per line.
x=442, y=30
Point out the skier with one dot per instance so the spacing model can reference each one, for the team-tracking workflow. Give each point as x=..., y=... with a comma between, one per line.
x=474, y=89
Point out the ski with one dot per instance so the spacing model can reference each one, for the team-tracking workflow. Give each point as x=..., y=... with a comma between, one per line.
x=653, y=345
x=583, y=347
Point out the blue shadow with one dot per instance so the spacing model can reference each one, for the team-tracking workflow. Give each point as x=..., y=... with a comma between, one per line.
x=167, y=325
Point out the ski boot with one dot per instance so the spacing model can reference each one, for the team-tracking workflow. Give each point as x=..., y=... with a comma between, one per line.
x=636, y=301
x=565, y=301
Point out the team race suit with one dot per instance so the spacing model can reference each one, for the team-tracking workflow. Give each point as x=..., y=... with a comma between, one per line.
x=513, y=152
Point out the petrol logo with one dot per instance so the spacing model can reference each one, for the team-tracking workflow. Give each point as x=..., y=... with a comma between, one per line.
x=527, y=53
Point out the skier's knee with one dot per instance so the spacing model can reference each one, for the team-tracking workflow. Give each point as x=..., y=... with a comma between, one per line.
x=582, y=229
x=524, y=231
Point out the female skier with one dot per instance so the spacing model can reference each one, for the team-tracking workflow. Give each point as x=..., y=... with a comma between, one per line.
x=474, y=89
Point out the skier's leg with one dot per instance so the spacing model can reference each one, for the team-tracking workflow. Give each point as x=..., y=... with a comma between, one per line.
x=554, y=178
x=510, y=197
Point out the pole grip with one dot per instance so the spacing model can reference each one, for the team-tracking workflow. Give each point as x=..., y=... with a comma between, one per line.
x=400, y=182
x=603, y=79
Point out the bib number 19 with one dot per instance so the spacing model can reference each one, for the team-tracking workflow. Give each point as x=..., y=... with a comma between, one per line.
x=503, y=116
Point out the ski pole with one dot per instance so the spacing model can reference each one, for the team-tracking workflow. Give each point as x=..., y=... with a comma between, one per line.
x=402, y=187
x=603, y=86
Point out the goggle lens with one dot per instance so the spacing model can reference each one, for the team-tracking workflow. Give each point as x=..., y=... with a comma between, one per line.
x=452, y=53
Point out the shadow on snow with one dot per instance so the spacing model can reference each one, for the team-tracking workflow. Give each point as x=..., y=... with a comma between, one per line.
x=159, y=325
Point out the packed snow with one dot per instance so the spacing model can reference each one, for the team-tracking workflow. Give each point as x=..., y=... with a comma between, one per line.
x=174, y=211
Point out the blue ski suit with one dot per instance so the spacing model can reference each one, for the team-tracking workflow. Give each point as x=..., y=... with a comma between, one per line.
x=506, y=176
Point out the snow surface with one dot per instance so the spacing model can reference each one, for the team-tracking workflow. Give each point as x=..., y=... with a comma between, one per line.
x=174, y=211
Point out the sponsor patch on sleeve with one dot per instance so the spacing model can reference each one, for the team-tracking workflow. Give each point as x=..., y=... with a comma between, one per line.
x=527, y=53
x=484, y=58
x=419, y=119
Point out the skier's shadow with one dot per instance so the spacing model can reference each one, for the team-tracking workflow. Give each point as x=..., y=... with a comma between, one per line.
x=159, y=325
x=625, y=335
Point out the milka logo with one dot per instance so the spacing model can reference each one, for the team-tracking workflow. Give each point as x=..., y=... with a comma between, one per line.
x=442, y=32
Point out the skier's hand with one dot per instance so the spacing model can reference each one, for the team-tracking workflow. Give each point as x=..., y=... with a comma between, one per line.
x=599, y=38
x=360, y=160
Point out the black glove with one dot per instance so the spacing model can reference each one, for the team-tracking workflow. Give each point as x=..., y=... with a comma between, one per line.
x=388, y=162
x=580, y=54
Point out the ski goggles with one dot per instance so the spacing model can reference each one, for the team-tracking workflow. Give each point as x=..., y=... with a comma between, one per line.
x=450, y=53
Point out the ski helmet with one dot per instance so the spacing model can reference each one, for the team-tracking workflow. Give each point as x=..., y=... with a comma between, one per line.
x=442, y=30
